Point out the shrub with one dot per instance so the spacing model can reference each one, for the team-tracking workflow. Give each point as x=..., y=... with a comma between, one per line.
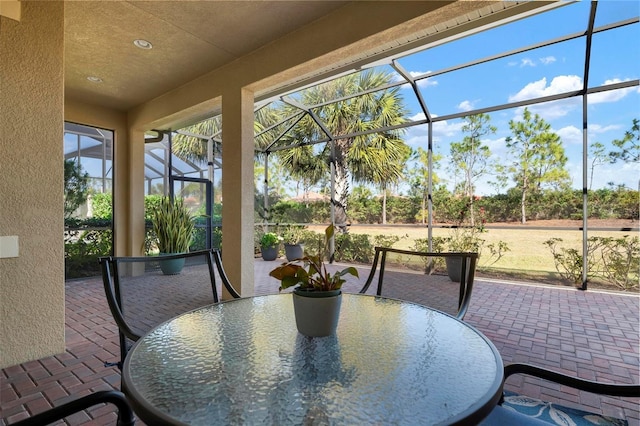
x=82, y=250
x=102, y=205
x=353, y=248
x=616, y=260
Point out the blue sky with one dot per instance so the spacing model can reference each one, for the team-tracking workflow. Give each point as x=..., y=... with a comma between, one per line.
x=558, y=68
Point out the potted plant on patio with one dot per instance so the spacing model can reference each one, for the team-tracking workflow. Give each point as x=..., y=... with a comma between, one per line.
x=317, y=296
x=173, y=228
x=269, y=245
x=293, y=246
x=466, y=239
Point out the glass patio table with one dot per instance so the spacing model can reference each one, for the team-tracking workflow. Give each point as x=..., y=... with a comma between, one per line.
x=243, y=362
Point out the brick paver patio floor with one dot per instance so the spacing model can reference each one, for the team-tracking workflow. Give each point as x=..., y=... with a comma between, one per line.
x=592, y=334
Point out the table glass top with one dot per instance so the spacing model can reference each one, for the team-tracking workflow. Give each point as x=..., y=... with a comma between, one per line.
x=243, y=362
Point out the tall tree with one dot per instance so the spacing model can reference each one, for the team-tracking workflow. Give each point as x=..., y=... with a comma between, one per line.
x=76, y=186
x=598, y=156
x=419, y=177
x=539, y=158
x=470, y=157
x=628, y=148
x=370, y=158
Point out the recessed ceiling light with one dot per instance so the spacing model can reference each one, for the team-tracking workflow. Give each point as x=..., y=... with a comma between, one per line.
x=94, y=79
x=142, y=44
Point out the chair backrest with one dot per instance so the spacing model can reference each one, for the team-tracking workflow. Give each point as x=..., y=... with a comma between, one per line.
x=142, y=293
x=442, y=281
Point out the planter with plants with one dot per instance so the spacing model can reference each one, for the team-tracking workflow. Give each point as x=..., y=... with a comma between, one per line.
x=317, y=294
x=270, y=245
x=293, y=246
x=173, y=228
x=467, y=239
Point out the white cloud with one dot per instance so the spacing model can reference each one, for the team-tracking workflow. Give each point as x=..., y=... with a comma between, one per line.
x=570, y=135
x=559, y=84
x=442, y=131
x=417, y=117
x=526, y=62
x=466, y=105
x=426, y=82
x=548, y=60
x=597, y=129
x=550, y=110
x=620, y=174
x=611, y=95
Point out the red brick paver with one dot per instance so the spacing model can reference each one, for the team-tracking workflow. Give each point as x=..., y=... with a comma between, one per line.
x=592, y=334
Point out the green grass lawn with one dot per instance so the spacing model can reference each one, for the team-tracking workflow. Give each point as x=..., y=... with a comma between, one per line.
x=528, y=257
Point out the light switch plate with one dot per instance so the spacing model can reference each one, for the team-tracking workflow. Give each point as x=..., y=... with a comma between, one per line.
x=9, y=246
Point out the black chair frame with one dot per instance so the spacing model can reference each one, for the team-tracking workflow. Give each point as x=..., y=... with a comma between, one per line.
x=110, y=278
x=619, y=390
x=125, y=413
x=469, y=261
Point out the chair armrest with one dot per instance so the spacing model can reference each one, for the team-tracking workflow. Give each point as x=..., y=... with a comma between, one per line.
x=125, y=413
x=577, y=383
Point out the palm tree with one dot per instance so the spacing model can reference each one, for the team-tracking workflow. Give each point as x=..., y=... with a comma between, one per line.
x=368, y=158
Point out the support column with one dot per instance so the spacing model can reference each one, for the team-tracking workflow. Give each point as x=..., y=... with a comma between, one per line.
x=237, y=189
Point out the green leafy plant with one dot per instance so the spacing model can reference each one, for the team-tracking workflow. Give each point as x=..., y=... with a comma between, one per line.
x=270, y=239
x=76, y=187
x=173, y=225
x=616, y=260
x=293, y=234
x=315, y=277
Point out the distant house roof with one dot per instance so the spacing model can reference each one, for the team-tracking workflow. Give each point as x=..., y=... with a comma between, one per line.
x=310, y=196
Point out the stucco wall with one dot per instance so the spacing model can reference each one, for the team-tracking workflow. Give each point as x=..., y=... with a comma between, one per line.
x=31, y=182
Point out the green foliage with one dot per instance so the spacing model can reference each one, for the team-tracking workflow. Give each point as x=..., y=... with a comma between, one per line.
x=363, y=206
x=290, y=212
x=385, y=240
x=628, y=148
x=82, y=250
x=269, y=239
x=470, y=157
x=373, y=158
x=199, y=240
x=102, y=203
x=315, y=276
x=620, y=259
x=151, y=204
x=539, y=158
x=76, y=186
x=616, y=260
x=402, y=209
x=293, y=234
x=353, y=248
x=173, y=225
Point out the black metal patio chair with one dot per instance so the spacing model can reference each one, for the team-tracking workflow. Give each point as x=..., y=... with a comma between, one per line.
x=141, y=296
x=442, y=281
x=125, y=413
x=517, y=409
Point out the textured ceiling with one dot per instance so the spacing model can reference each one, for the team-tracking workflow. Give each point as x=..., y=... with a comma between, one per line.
x=192, y=38
x=189, y=39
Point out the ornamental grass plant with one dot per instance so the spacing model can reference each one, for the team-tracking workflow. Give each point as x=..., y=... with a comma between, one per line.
x=173, y=226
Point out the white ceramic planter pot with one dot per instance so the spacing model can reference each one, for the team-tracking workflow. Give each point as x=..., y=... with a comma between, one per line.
x=317, y=312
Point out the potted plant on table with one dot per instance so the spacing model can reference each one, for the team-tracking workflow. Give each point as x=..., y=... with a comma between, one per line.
x=317, y=296
x=293, y=246
x=173, y=227
x=269, y=245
